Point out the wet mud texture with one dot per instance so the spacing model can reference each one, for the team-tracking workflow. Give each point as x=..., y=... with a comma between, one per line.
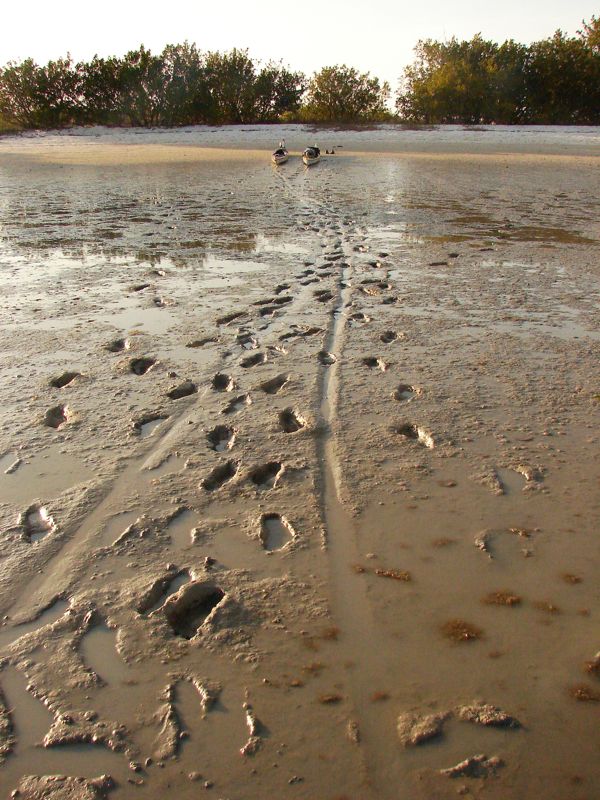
x=298, y=472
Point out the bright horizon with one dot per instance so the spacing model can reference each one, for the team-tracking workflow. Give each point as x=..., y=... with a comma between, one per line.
x=379, y=40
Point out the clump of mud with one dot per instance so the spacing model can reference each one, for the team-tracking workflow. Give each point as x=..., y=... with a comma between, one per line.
x=414, y=730
x=502, y=598
x=457, y=630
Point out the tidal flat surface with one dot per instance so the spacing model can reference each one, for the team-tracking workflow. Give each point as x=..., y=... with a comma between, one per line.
x=315, y=454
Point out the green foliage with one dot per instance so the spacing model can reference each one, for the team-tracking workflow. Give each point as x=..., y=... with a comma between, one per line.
x=554, y=81
x=342, y=94
x=181, y=86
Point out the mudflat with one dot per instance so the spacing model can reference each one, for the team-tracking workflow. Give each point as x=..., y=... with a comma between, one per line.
x=299, y=481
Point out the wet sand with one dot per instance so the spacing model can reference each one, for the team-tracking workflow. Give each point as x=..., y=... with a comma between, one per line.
x=298, y=468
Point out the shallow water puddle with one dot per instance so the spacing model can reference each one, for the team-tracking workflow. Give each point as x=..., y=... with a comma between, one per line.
x=51, y=614
x=146, y=428
x=99, y=652
x=47, y=474
x=116, y=525
x=275, y=532
x=180, y=529
x=32, y=720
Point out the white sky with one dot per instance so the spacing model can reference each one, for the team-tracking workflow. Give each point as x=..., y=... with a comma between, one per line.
x=376, y=36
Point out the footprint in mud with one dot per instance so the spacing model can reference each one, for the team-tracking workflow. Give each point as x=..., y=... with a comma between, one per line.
x=99, y=653
x=221, y=438
x=184, y=389
x=222, y=382
x=387, y=337
x=247, y=341
x=291, y=421
x=140, y=366
x=219, y=476
x=139, y=287
x=187, y=610
x=145, y=425
x=274, y=385
x=66, y=379
x=359, y=318
x=237, y=404
x=267, y=311
x=253, y=361
x=403, y=392
x=323, y=295
x=409, y=431
x=36, y=523
x=230, y=317
x=118, y=345
x=372, y=362
x=326, y=359
x=266, y=476
x=282, y=287
x=275, y=532
x=57, y=416
x=202, y=342
x=282, y=301
x=161, y=590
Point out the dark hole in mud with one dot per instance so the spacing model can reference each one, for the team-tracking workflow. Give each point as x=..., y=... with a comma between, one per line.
x=221, y=438
x=282, y=287
x=372, y=362
x=388, y=336
x=118, y=345
x=410, y=431
x=140, y=366
x=219, y=475
x=186, y=613
x=247, y=341
x=273, y=385
x=407, y=430
x=290, y=421
x=37, y=523
x=222, y=382
x=237, y=404
x=56, y=416
x=139, y=287
x=230, y=317
x=323, y=296
x=146, y=424
x=326, y=359
x=265, y=476
x=64, y=380
x=184, y=389
x=360, y=317
x=275, y=532
x=202, y=342
x=404, y=392
x=253, y=361
x=267, y=311
x=161, y=591
x=282, y=301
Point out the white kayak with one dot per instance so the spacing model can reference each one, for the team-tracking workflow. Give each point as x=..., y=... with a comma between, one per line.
x=281, y=155
x=311, y=155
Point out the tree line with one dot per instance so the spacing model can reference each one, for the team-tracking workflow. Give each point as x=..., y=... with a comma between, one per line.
x=554, y=81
